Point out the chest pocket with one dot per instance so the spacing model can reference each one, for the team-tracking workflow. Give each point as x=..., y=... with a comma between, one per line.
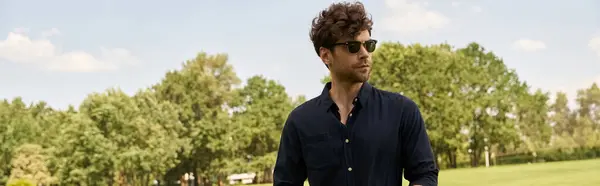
x=322, y=151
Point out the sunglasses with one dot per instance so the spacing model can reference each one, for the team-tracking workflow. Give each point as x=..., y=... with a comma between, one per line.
x=354, y=46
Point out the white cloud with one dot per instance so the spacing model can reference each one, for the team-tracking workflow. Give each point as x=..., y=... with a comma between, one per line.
x=594, y=44
x=411, y=17
x=529, y=45
x=455, y=4
x=20, y=48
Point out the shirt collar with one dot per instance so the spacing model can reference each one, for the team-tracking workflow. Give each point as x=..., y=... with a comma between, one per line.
x=361, y=98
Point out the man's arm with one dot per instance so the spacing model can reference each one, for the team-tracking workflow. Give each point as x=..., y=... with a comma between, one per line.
x=290, y=169
x=417, y=156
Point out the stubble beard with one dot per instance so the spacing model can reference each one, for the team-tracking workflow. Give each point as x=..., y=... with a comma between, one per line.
x=354, y=76
x=363, y=77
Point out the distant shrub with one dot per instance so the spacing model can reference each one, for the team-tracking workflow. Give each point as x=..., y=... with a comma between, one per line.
x=20, y=182
x=553, y=155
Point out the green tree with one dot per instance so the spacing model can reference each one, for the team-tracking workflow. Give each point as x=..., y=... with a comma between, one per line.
x=83, y=156
x=561, y=115
x=202, y=89
x=533, y=121
x=29, y=163
x=143, y=132
x=263, y=106
x=588, y=117
x=17, y=127
x=493, y=92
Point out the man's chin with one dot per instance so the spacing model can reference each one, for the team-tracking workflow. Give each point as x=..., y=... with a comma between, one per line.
x=361, y=78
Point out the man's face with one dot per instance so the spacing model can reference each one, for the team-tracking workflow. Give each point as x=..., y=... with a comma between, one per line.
x=350, y=60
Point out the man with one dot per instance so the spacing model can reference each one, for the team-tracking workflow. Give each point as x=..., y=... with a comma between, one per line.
x=353, y=134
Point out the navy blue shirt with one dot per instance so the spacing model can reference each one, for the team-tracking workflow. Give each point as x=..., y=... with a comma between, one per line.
x=383, y=136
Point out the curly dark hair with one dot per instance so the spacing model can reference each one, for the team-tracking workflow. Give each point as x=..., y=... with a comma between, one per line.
x=339, y=21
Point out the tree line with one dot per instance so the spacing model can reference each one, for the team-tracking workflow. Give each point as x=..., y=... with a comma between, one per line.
x=198, y=119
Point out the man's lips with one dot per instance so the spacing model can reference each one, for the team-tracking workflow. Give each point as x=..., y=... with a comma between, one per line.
x=363, y=68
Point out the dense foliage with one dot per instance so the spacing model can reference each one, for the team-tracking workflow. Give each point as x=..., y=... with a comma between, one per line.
x=196, y=120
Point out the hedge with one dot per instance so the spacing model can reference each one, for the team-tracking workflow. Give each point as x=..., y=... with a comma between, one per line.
x=553, y=155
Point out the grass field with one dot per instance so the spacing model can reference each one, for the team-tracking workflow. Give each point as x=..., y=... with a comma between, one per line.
x=580, y=173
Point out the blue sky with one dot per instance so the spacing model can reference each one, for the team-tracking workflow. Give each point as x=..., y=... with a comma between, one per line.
x=60, y=51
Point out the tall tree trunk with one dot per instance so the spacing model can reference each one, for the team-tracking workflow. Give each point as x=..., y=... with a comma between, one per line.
x=451, y=158
x=268, y=175
x=220, y=180
x=476, y=157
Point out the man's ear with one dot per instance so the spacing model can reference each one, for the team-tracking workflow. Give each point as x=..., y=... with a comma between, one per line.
x=325, y=55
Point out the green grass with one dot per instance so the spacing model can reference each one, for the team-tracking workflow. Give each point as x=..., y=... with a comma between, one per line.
x=580, y=173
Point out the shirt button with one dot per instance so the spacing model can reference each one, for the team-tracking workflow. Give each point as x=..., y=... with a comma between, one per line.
x=350, y=169
x=347, y=141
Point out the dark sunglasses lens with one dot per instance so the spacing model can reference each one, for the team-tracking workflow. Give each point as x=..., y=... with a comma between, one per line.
x=353, y=47
x=370, y=45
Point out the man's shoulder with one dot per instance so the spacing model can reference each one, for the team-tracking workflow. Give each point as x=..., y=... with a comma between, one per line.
x=395, y=97
x=398, y=99
x=305, y=108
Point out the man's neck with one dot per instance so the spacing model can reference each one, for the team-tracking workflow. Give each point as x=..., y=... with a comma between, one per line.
x=343, y=93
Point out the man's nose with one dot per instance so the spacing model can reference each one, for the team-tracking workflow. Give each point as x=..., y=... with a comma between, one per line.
x=363, y=53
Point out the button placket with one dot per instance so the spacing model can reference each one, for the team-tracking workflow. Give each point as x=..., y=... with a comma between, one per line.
x=347, y=146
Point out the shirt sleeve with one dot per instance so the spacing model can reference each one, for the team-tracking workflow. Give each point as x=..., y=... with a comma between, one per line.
x=417, y=156
x=290, y=169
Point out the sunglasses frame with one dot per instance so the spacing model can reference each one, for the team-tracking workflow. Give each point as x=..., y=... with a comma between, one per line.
x=359, y=43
